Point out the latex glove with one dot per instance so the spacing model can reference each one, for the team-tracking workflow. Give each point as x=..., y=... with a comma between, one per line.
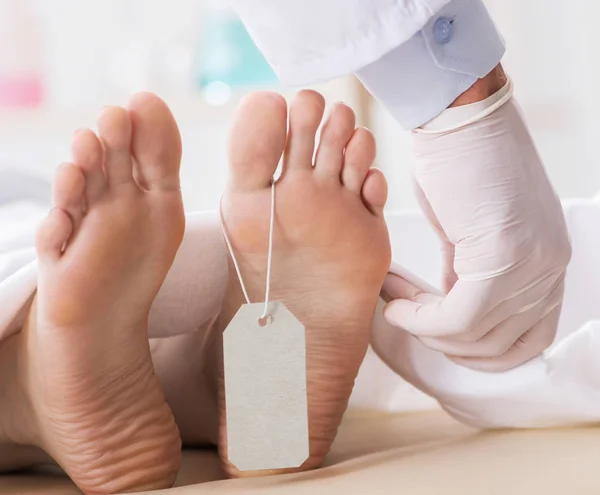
x=504, y=240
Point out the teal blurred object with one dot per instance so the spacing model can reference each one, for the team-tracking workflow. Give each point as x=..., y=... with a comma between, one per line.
x=229, y=59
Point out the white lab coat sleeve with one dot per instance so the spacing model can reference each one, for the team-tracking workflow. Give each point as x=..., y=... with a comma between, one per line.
x=415, y=56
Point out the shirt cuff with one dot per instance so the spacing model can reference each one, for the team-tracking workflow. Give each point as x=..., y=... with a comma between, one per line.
x=418, y=80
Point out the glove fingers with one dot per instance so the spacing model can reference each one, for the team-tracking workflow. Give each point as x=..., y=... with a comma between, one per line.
x=463, y=315
x=398, y=287
x=494, y=343
x=530, y=345
x=439, y=316
x=541, y=297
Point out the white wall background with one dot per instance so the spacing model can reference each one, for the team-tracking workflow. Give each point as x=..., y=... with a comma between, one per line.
x=99, y=51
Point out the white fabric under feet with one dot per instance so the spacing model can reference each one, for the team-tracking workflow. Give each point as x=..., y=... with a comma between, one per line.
x=560, y=388
x=190, y=297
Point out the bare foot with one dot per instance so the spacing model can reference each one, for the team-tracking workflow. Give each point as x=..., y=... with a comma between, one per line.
x=331, y=245
x=104, y=252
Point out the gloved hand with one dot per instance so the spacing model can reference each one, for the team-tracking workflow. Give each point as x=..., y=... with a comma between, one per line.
x=504, y=240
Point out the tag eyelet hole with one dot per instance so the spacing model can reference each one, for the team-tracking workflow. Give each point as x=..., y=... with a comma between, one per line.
x=265, y=321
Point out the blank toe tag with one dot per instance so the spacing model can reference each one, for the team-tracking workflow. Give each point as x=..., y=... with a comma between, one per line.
x=265, y=389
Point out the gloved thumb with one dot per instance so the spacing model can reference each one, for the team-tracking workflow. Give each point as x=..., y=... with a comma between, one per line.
x=402, y=284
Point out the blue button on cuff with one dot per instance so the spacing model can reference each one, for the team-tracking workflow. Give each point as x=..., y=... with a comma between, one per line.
x=418, y=80
x=443, y=31
x=462, y=37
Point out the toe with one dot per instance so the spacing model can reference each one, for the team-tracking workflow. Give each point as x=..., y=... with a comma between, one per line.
x=114, y=130
x=156, y=143
x=257, y=141
x=53, y=235
x=306, y=113
x=375, y=191
x=360, y=155
x=68, y=192
x=88, y=154
x=336, y=134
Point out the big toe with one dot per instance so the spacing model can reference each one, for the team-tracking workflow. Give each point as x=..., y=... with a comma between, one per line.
x=257, y=141
x=156, y=143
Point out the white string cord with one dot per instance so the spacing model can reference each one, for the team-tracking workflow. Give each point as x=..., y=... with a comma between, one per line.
x=235, y=263
x=269, y=256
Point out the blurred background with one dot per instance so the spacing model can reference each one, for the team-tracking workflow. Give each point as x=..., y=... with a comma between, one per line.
x=61, y=61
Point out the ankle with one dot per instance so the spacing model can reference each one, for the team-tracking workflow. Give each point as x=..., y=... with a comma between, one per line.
x=17, y=426
x=18, y=457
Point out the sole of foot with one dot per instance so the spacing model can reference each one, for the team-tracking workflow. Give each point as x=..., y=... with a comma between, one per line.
x=104, y=252
x=331, y=244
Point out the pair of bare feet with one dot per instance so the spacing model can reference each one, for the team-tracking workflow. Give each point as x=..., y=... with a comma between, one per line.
x=82, y=384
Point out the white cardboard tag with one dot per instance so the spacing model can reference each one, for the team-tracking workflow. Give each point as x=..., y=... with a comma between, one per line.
x=265, y=389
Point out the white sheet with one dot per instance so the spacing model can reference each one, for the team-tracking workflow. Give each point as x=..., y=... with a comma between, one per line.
x=24, y=202
x=560, y=388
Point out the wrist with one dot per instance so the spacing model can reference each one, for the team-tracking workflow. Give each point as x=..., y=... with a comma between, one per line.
x=483, y=88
